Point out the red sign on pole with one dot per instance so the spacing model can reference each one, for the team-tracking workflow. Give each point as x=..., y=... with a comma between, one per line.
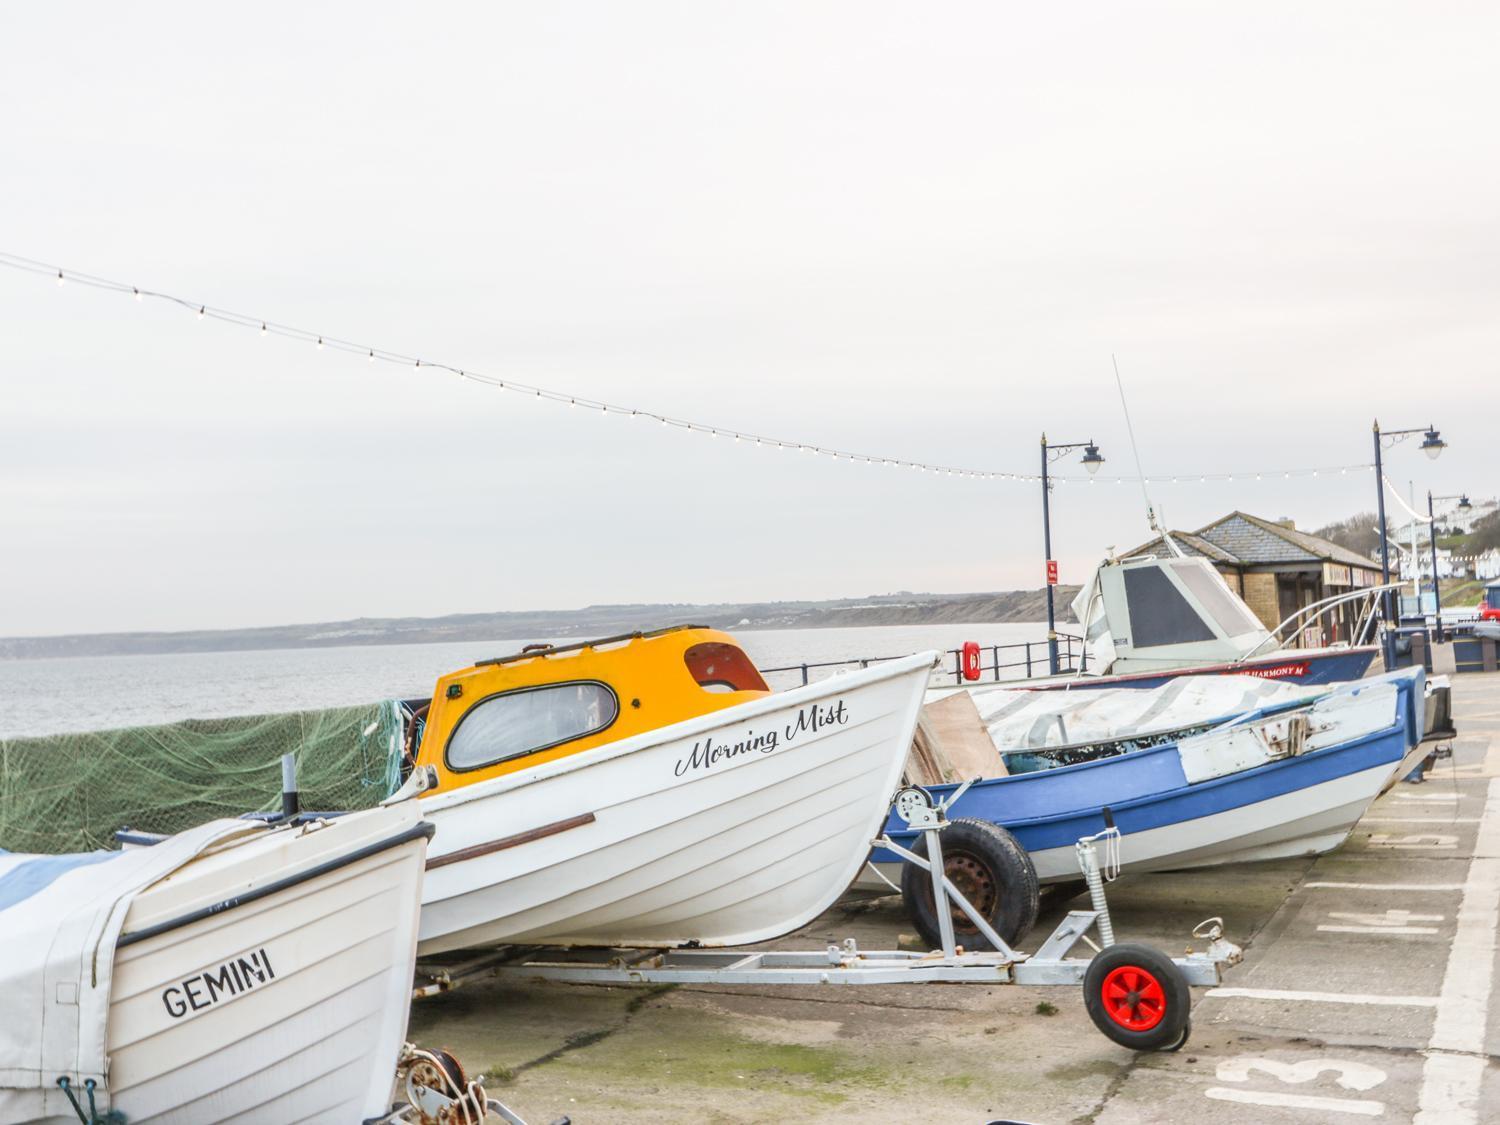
x=1052, y=572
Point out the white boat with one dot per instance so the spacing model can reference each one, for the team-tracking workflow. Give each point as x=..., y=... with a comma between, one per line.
x=236, y=972
x=730, y=827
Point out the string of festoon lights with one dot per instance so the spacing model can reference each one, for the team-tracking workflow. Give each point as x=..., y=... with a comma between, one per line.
x=324, y=341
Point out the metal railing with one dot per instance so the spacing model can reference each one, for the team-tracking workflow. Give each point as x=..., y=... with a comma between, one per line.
x=1023, y=660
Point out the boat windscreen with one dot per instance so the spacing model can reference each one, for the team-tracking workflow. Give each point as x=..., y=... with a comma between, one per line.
x=720, y=667
x=1159, y=614
x=1232, y=615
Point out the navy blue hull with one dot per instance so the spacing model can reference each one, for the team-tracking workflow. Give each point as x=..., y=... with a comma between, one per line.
x=1337, y=667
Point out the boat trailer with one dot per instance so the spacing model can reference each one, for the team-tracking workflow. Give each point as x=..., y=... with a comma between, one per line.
x=1136, y=995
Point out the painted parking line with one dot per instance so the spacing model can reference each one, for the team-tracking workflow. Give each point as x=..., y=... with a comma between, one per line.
x=1322, y=997
x=1385, y=886
x=1419, y=820
x=1456, y=1059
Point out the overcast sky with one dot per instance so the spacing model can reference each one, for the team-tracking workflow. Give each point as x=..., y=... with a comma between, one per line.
x=917, y=231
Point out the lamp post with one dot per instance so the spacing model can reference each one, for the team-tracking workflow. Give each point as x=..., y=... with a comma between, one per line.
x=1091, y=461
x=1432, y=445
x=1437, y=594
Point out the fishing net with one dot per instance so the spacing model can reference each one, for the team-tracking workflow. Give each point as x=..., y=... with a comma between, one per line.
x=71, y=792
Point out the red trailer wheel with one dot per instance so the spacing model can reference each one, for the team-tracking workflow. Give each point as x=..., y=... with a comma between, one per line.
x=1136, y=996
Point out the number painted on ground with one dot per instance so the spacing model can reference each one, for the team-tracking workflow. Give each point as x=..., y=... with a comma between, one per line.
x=1350, y=1075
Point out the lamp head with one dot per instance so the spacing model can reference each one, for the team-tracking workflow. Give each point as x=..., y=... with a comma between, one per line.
x=1464, y=505
x=1433, y=444
x=1092, y=459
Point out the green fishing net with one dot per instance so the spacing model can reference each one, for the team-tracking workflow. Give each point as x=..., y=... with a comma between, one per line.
x=70, y=792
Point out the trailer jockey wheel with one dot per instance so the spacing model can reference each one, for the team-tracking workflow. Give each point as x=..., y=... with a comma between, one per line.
x=1138, y=998
x=989, y=869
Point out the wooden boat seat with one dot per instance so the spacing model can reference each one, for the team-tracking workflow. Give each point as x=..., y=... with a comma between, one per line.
x=951, y=744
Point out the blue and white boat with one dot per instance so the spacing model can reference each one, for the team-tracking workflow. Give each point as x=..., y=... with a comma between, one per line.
x=1200, y=771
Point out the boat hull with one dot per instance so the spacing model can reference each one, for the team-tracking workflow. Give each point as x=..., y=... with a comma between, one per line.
x=1326, y=666
x=1299, y=805
x=729, y=828
x=288, y=1007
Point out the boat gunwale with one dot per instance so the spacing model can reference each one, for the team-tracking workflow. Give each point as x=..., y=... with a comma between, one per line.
x=423, y=829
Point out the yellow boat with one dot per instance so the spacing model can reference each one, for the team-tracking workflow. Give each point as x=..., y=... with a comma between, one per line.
x=651, y=790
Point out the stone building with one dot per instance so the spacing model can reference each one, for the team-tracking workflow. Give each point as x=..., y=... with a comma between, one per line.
x=1278, y=570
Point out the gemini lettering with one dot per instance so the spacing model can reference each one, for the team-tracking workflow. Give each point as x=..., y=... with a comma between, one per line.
x=223, y=982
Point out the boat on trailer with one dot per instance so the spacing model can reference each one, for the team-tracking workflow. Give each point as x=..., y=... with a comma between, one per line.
x=1146, y=620
x=1289, y=774
x=240, y=971
x=650, y=791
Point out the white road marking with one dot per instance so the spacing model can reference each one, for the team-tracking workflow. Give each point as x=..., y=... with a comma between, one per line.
x=1385, y=886
x=1413, y=843
x=1322, y=997
x=1347, y=1073
x=1385, y=918
x=1297, y=1101
x=1429, y=797
x=1377, y=929
x=1456, y=1059
x=1420, y=820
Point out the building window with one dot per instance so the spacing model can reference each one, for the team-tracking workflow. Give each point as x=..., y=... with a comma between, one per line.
x=716, y=666
x=517, y=723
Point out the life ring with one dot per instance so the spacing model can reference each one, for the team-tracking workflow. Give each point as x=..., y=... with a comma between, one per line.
x=971, y=660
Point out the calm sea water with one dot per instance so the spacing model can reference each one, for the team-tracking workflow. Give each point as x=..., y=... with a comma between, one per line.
x=99, y=692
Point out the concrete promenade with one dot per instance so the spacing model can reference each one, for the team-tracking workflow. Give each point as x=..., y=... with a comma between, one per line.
x=1366, y=994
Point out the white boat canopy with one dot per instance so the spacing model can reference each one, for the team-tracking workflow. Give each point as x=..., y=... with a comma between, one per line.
x=1144, y=614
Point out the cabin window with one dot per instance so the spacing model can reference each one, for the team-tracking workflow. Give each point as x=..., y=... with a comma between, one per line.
x=720, y=667
x=1159, y=614
x=1231, y=613
x=523, y=722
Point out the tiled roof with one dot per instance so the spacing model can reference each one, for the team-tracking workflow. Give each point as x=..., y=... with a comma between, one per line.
x=1191, y=545
x=1254, y=541
x=1239, y=539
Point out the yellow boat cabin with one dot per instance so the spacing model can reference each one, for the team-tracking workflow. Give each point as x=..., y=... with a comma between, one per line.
x=547, y=702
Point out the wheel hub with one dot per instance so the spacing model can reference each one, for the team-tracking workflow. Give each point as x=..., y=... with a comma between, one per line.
x=1134, y=998
x=976, y=883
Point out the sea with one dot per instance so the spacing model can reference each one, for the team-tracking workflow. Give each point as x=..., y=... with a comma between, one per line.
x=64, y=694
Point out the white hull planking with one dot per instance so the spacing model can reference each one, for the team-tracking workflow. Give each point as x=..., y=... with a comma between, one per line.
x=742, y=850
x=316, y=1041
x=1309, y=821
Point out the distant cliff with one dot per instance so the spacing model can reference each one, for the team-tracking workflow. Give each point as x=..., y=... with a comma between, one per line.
x=592, y=621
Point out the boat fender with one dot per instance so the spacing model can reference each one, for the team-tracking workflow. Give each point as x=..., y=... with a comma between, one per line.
x=971, y=660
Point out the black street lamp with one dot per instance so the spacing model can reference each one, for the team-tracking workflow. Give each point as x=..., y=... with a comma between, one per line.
x=1437, y=593
x=1432, y=445
x=1091, y=461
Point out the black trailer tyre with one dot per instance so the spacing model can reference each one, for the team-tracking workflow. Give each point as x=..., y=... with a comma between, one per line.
x=1138, y=998
x=990, y=869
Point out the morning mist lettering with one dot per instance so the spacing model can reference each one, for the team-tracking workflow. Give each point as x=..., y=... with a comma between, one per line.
x=222, y=982
x=708, y=753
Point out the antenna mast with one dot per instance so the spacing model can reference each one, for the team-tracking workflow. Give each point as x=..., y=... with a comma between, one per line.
x=1135, y=449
